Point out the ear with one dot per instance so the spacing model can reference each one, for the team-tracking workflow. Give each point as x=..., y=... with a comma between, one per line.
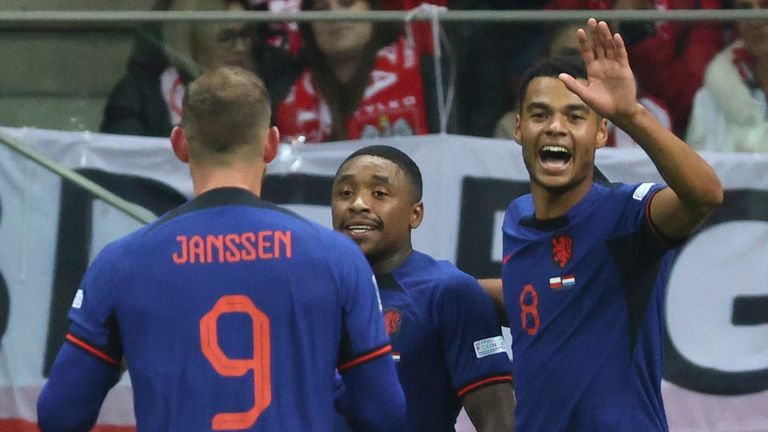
x=417, y=215
x=602, y=133
x=271, y=144
x=517, y=133
x=179, y=144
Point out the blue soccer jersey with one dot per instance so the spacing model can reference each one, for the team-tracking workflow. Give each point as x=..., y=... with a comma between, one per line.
x=585, y=312
x=446, y=339
x=232, y=314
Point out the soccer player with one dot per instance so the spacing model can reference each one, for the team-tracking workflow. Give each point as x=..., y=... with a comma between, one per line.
x=580, y=259
x=231, y=313
x=446, y=336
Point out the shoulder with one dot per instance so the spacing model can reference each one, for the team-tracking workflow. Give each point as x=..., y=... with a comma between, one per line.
x=634, y=191
x=521, y=205
x=398, y=53
x=519, y=208
x=448, y=281
x=117, y=256
x=619, y=198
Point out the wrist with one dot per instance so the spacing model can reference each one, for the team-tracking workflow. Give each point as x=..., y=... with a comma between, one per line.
x=634, y=117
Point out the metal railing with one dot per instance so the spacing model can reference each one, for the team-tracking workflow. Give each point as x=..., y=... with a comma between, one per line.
x=117, y=19
x=129, y=18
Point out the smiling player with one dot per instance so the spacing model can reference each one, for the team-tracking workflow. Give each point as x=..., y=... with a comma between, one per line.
x=580, y=259
x=445, y=332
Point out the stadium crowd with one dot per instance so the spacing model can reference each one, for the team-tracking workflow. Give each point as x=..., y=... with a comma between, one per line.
x=334, y=81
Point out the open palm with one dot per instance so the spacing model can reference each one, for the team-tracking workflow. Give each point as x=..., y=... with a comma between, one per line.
x=610, y=90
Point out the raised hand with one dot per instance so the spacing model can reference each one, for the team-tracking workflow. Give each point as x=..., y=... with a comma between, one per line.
x=610, y=89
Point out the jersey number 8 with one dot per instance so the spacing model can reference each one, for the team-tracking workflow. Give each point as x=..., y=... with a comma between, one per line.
x=529, y=315
x=259, y=363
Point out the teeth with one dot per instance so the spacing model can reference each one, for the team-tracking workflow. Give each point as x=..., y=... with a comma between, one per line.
x=359, y=228
x=556, y=149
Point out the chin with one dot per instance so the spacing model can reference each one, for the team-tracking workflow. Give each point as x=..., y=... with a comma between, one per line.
x=557, y=184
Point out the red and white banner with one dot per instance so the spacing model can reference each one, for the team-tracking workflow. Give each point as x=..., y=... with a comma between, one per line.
x=716, y=355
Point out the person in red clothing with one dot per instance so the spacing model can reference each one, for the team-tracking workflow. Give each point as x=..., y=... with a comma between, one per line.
x=361, y=80
x=668, y=58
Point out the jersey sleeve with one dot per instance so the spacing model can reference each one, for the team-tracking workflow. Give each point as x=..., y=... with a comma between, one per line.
x=634, y=220
x=93, y=326
x=470, y=333
x=76, y=388
x=363, y=336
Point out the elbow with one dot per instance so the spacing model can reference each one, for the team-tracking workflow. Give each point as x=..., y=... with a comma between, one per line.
x=386, y=417
x=713, y=197
x=56, y=417
x=706, y=198
x=46, y=416
x=392, y=419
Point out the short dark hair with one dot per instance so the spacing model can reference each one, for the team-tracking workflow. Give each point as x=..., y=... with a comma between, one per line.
x=397, y=157
x=225, y=109
x=551, y=67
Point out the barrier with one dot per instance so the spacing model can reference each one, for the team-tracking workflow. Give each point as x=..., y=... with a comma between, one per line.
x=716, y=358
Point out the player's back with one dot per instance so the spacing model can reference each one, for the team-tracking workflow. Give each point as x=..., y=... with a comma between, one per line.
x=230, y=316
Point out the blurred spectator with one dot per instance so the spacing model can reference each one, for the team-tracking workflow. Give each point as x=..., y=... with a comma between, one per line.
x=730, y=111
x=491, y=58
x=147, y=100
x=668, y=58
x=284, y=35
x=362, y=80
x=562, y=41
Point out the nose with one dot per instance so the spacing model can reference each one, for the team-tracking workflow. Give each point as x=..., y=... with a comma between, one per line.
x=240, y=44
x=556, y=125
x=359, y=204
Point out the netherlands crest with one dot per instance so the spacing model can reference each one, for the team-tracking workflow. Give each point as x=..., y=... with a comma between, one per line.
x=562, y=249
x=392, y=321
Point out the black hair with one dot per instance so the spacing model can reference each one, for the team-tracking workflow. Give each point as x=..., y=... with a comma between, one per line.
x=551, y=67
x=397, y=157
x=343, y=98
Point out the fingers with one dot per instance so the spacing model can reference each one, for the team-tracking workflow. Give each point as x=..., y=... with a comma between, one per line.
x=587, y=53
x=598, y=46
x=606, y=40
x=621, y=50
x=600, y=43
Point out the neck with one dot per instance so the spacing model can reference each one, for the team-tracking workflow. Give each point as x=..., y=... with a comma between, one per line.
x=390, y=262
x=344, y=69
x=550, y=204
x=248, y=177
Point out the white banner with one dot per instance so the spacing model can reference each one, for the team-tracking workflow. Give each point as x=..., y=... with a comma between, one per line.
x=716, y=357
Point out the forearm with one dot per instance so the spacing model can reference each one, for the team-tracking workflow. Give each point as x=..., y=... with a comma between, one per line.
x=491, y=408
x=694, y=182
x=373, y=399
x=76, y=388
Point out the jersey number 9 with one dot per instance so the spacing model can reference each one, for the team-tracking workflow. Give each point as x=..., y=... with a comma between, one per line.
x=259, y=363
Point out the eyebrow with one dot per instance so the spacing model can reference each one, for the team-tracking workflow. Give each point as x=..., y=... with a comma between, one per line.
x=378, y=177
x=546, y=107
x=382, y=178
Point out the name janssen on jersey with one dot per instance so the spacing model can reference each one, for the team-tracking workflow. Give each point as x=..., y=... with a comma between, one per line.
x=233, y=247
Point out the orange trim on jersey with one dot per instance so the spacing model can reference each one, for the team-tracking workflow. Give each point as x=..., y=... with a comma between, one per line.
x=468, y=388
x=98, y=353
x=661, y=237
x=367, y=357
